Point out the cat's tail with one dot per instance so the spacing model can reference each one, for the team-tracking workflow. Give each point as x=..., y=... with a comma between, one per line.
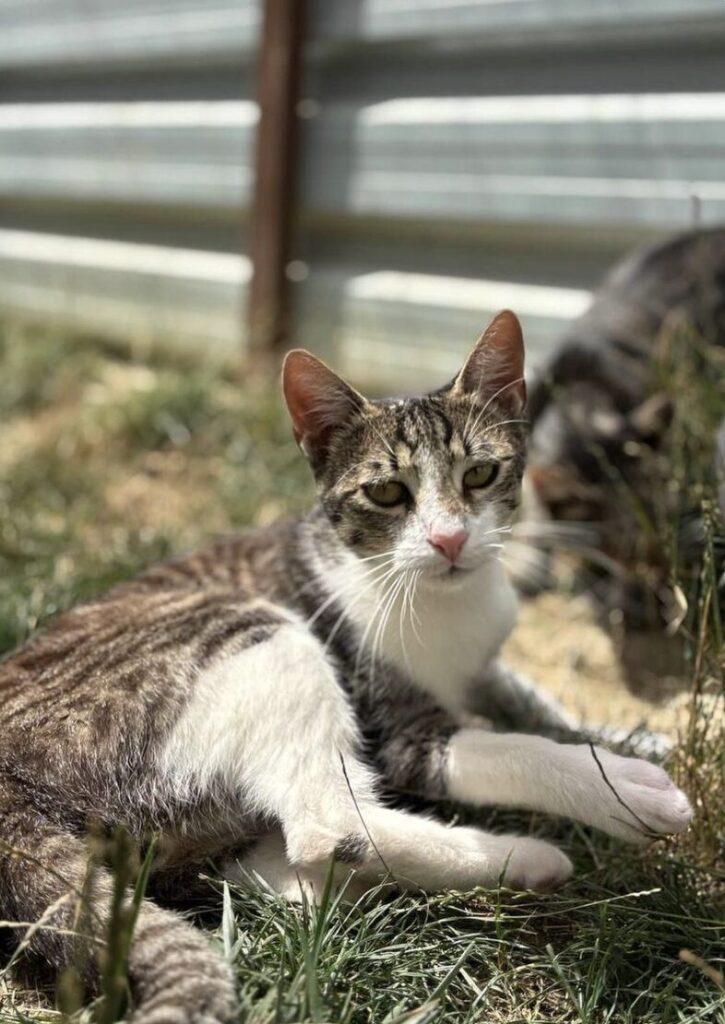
x=175, y=976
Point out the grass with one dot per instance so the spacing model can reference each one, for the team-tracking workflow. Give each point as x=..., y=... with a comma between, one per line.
x=110, y=461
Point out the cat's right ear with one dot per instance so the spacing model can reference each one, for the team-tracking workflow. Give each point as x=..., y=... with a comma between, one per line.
x=495, y=367
x=318, y=400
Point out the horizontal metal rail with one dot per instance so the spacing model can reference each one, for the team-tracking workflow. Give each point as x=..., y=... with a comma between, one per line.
x=456, y=156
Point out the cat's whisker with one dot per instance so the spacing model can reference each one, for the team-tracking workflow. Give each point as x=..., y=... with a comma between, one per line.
x=382, y=626
x=369, y=558
x=416, y=581
x=492, y=398
x=415, y=620
x=362, y=645
x=472, y=409
x=504, y=423
x=496, y=529
x=351, y=584
x=545, y=529
x=382, y=615
x=470, y=435
x=350, y=604
x=506, y=386
x=406, y=597
x=370, y=578
x=464, y=432
x=411, y=580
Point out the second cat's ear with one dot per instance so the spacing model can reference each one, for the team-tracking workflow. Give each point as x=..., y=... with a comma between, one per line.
x=495, y=367
x=318, y=400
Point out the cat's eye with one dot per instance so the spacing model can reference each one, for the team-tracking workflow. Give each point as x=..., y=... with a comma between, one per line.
x=387, y=494
x=482, y=475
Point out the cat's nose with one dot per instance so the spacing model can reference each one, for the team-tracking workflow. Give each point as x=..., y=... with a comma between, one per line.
x=448, y=542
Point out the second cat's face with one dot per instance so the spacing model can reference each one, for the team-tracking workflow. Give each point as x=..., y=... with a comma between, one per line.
x=423, y=484
x=429, y=482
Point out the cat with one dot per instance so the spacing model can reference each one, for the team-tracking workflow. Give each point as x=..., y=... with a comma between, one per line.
x=600, y=417
x=259, y=701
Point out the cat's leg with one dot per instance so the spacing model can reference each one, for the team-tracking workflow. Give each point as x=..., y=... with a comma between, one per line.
x=425, y=752
x=419, y=853
x=267, y=863
x=513, y=701
x=407, y=850
x=626, y=797
x=271, y=724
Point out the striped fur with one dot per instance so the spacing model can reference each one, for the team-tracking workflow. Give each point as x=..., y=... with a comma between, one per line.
x=255, y=702
x=601, y=413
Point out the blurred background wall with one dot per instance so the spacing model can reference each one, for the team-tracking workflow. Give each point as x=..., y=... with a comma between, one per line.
x=455, y=156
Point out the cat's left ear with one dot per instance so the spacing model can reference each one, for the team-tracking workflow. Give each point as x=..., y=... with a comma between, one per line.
x=318, y=400
x=495, y=367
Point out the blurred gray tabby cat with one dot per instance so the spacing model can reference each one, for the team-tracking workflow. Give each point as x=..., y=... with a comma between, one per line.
x=600, y=410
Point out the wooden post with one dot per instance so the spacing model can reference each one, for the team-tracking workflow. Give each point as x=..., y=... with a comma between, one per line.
x=280, y=63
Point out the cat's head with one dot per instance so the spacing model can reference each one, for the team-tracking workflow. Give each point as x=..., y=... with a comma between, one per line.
x=594, y=478
x=585, y=451
x=429, y=483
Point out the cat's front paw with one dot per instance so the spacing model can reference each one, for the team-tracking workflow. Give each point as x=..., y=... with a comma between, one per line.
x=638, y=801
x=532, y=864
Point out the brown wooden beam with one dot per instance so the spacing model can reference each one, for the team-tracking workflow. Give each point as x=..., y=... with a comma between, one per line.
x=272, y=215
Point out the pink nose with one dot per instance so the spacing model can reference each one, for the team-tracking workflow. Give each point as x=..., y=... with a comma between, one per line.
x=448, y=542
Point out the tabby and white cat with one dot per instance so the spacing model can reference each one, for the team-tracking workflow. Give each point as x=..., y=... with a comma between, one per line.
x=256, y=701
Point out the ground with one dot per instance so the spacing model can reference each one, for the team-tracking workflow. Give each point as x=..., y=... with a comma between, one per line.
x=111, y=459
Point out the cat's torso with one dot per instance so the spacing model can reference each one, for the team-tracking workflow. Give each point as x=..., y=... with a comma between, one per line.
x=87, y=707
x=612, y=346
x=601, y=410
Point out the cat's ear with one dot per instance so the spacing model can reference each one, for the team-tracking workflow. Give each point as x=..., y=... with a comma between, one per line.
x=495, y=367
x=651, y=420
x=318, y=400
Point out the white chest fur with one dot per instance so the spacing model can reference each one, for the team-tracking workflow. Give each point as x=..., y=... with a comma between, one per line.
x=444, y=637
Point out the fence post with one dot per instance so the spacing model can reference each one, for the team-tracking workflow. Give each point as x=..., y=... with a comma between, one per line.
x=272, y=215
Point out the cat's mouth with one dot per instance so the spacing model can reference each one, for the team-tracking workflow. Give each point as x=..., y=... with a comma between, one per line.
x=457, y=572
x=451, y=574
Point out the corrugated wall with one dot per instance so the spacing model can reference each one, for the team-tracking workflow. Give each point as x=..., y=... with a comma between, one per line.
x=456, y=157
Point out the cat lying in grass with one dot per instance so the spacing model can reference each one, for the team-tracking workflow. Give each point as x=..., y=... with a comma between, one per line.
x=602, y=413
x=255, y=701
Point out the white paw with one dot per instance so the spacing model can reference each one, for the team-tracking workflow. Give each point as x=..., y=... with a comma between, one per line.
x=633, y=799
x=532, y=864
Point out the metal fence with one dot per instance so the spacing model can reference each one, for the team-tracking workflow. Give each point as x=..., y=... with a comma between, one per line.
x=456, y=157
